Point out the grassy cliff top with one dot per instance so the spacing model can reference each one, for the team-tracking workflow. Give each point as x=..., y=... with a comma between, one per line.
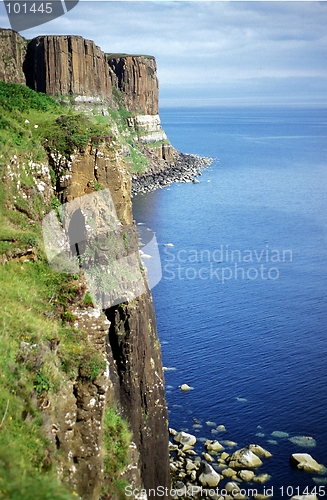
x=113, y=55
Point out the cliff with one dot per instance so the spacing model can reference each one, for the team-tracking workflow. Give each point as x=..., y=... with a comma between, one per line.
x=77, y=72
x=78, y=363
x=12, y=55
x=67, y=65
x=136, y=78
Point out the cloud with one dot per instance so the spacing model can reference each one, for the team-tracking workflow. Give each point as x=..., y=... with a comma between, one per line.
x=219, y=46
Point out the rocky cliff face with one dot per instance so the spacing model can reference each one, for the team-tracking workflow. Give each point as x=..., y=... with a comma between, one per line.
x=136, y=78
x=132, y=345
x=68, y=65
x=12, y=55
x=79, y=72
x=133, y=380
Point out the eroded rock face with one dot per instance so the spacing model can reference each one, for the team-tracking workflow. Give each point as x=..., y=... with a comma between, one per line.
x=148, y=128
x=12, y=54
x=136, y=77
x=67, y=65
x=135, y=349
x=73, y=418
x=103, y=165
x=132, y=346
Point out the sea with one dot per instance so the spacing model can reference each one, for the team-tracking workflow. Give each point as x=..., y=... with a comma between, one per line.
x=241, y=304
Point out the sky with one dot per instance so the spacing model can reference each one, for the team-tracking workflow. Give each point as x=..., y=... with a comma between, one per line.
x=212, y=53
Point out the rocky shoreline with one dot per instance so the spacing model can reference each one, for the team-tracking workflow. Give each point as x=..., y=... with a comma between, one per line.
x=186, y=168
x=217, y=474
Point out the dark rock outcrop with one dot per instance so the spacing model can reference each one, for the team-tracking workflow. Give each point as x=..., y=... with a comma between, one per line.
x=67, y=65
x=12, y=55
x=136, y=78
x=135, y=349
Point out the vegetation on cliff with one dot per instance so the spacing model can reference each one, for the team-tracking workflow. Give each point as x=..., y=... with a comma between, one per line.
x=41, y=351
x=35, y=124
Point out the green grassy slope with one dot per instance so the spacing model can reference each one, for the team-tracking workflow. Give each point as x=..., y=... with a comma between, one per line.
x=36, y=301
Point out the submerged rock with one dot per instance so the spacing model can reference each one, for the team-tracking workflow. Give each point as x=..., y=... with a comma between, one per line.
x=305, y=441
x=262, y=478
x=280, y=434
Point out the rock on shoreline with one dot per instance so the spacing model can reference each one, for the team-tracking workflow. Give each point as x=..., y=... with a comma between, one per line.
x=185, y=168
x=236, y=474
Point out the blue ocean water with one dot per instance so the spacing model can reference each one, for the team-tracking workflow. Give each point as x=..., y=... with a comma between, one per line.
x=241, y=306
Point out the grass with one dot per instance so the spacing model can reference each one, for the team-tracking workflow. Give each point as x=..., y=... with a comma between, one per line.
x=28, y=368
x=37, y=302
x=137, y=161
x=113, y=55
x=117, y=438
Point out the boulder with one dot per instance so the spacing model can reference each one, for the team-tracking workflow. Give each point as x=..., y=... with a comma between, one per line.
x=305, y=462
x=213, y=445
x=244, y=459
x=228, y=472
x=207, y=457
x=185, y=439
x=232, y=488
x=172, y=447
x=259, y=451
x=262, y=478
x=246, y=475
x=185, y=387
x=208, y=476
x=305, y=497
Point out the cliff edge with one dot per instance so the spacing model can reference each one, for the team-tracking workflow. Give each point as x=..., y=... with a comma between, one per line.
x=77, y=372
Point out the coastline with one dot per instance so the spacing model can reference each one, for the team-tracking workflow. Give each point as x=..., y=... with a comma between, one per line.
x=185, y=168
